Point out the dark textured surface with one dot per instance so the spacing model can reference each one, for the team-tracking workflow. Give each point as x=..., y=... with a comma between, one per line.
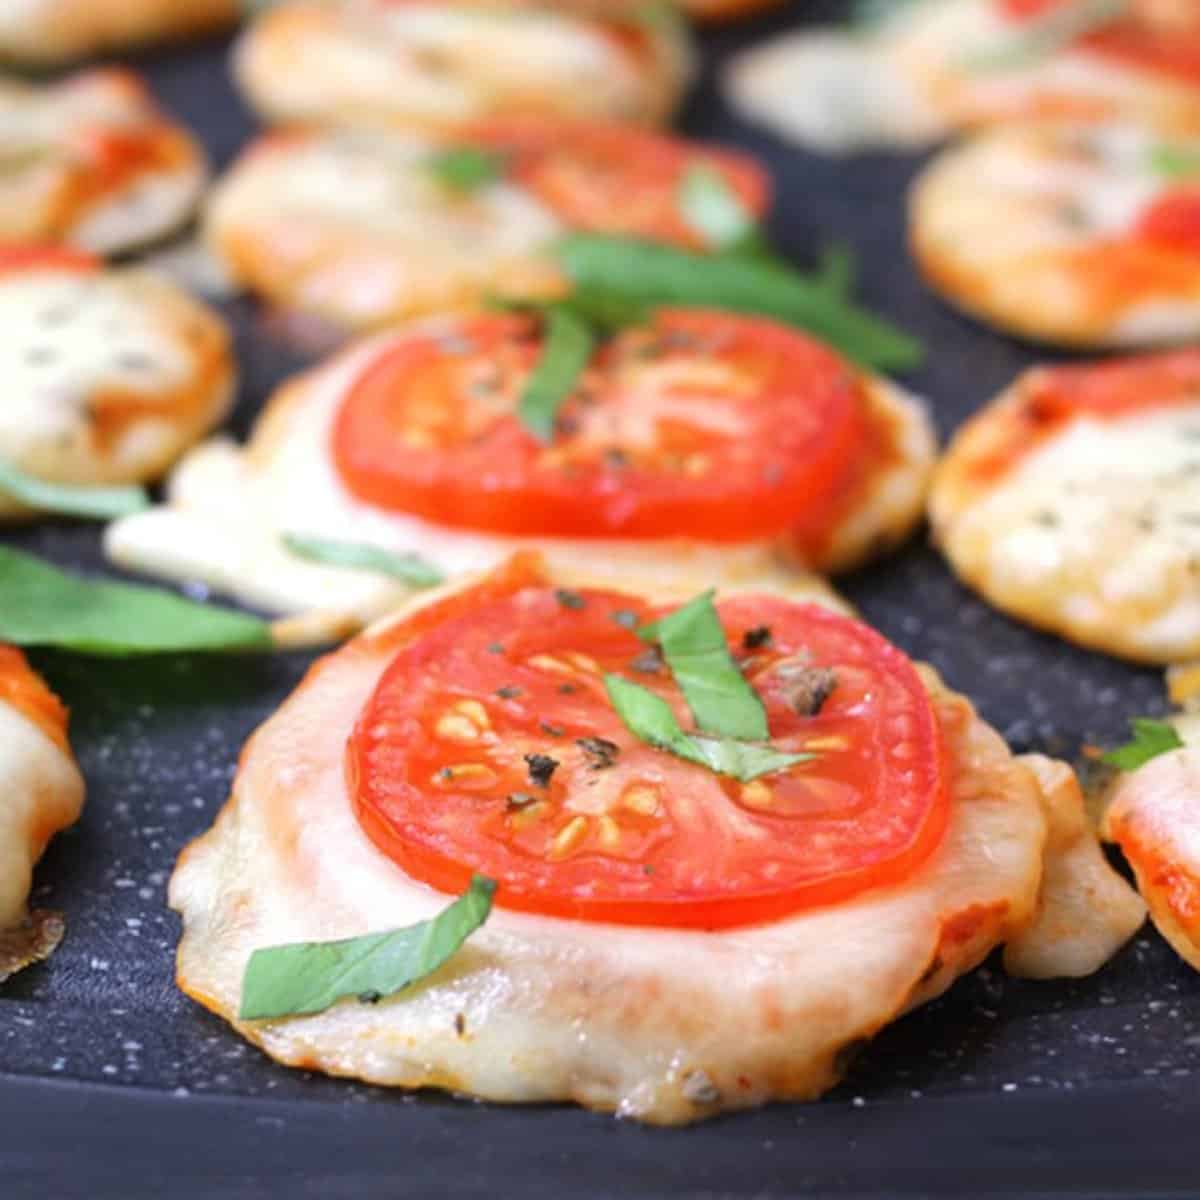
x=1037, y=1088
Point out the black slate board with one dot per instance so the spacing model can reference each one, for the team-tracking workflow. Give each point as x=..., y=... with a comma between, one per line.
x=112, y=1084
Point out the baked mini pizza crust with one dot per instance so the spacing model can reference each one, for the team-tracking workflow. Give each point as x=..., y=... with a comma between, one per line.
x=44, y=32
x=93, y=162
x=679, y=1024
x=110, y=374
x=1082, y=519
x=436, y=65
x=43, y=793
x=228, y=507
x=937, y=67
x=356, y=227
x=1063, y=233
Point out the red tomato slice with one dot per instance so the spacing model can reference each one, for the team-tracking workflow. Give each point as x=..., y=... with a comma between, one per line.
x=490, y=745
x=1166, y=44
x=1173, y=221
x=615, y=179
x=707, y=424
x=26, y=256
x=25, y=691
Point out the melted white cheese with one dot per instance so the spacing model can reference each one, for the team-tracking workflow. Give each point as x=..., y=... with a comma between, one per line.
x=1101, y=525
x=354, y=224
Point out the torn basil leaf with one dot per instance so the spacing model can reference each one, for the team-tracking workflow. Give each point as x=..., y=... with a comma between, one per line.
x=97, y=503
x=411, y=569
x=1175, y=162
x=694, y=647
x=650, y=719
x=309, y=977
x=653, y=275
x=1150, y=739
x=43, y=606
x=566, y=350
x=715, y=211
x=466, y=169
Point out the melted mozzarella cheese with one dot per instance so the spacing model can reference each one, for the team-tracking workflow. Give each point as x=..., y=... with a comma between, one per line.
x=661, y=1025
x=354, y=226
x=444, y=64
x=935, y=67
x=76, y=343
x=228, y=509
x=46, y=135
x=1095, y=532
x=1014, y=226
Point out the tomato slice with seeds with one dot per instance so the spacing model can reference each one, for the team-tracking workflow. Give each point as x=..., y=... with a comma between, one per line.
x=607, y=178
x=732, y=428
x=1168, y=44
x=490, y=745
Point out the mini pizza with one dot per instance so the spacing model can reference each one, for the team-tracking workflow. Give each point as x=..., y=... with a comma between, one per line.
x=675, y=932
x=92, y=161
x=934, y=67
x=1073, y=502
x=1075, y=235
x=43, y=793
x=436, y=65
x=111, y=374
x=51, y=31
x=701, y=444
x=365, y=227
x=1152, y=812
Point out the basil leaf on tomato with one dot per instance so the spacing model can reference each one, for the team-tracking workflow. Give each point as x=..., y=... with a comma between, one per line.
x=650, y=719
x=97, y=503
x=43, y=606
x=1150, y=739
x=362, y=556
x=466, y=169
x=694, y=647
x=309, y=977
x=656, y=275
x=566, y=349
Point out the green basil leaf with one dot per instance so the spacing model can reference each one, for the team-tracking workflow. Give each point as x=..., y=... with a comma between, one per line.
x=309, y=977
x=714, y=210
x=1175, y=162
x=408, y=568
x=43, y=606
x=654, y=275
x=1044, y=36
x=1150, y=739
x=694, y=647
x=836, y=270
x=467, y=168
x=650, y=719
x=100, y=503
x=565, y=353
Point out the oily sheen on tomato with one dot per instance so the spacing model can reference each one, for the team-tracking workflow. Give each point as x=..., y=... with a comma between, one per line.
x=608, y=178
x=700, y=425
x=490, y=745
